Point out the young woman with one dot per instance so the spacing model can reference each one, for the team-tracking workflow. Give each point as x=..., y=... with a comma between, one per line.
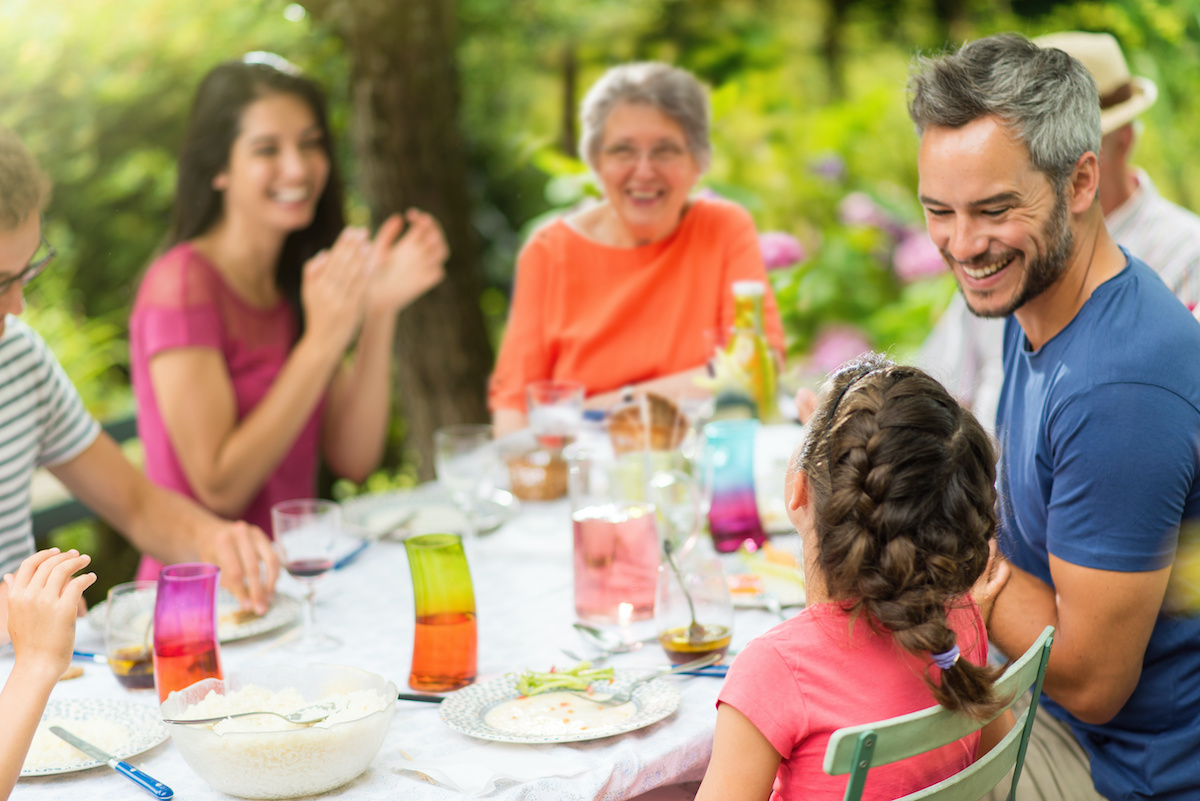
x=892, y=494
x=263, y=336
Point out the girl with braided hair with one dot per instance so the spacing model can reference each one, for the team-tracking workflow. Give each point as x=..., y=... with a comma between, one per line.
x=893, y=495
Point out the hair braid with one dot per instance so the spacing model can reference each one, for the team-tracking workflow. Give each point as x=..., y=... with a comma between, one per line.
x=903, y=482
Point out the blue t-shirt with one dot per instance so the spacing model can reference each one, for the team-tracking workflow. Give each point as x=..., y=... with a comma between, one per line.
x=1100, y=462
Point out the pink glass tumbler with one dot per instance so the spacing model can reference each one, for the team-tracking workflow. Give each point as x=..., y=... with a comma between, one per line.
x=185, y=627
x=729, y=458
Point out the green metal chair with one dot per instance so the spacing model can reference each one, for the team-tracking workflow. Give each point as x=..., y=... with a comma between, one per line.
x=855, y=749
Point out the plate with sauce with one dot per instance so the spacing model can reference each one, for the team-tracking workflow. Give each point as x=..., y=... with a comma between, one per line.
x=494, y=710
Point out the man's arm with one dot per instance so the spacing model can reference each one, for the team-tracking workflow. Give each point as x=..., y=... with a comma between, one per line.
x=1103, y=620
x=168, y=526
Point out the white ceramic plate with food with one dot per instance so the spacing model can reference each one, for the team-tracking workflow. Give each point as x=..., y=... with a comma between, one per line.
x=427, y=509
x=122, y=728
x=494, y=710
x=233, y=623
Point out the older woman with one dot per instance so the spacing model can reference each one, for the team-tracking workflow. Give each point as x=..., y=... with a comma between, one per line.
x=635, y=290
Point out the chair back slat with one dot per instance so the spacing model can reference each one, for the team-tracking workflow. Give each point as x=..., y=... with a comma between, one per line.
x=905, y=736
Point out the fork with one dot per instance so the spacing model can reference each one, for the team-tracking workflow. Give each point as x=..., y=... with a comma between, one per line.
x=304, y=716
x=626, y=695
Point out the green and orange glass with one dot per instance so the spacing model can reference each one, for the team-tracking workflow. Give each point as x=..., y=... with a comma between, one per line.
x=445, y=639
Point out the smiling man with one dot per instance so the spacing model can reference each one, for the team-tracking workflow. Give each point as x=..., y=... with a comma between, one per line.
x=1098, y=422
x=43, y=423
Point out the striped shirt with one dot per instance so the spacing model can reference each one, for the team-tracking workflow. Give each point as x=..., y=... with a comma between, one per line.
x=964, y=352
x=42, y=423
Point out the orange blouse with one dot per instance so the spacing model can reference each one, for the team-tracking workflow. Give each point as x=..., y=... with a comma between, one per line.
x=608, y=317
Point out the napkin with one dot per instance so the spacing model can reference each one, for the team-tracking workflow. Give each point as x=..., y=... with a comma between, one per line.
x=476, y=770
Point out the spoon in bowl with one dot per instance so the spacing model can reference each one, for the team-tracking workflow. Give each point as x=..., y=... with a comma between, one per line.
x=305, y=716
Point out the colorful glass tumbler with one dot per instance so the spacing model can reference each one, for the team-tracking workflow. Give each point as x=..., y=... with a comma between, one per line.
x=445, y=639
x=729, y=456
x=185, y=627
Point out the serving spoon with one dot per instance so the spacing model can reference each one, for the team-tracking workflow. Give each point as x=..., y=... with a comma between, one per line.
x=305, y=716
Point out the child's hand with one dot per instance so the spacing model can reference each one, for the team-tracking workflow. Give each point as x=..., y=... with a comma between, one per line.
x=43, y=599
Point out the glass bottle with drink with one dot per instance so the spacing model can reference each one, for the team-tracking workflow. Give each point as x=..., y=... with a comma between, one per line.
x=749, y=349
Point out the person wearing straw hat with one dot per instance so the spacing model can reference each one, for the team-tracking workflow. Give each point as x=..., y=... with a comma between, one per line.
x=964, y=351
x=1098, y=420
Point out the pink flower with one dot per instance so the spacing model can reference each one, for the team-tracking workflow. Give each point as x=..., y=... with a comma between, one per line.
x=916, y=257
x=837, y=345
x=858, y=208
x=780, y=249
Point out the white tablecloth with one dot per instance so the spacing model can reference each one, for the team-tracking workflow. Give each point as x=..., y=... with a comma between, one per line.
x=523, y=590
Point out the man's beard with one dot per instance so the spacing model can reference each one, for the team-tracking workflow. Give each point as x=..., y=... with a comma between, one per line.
x=1042, y=270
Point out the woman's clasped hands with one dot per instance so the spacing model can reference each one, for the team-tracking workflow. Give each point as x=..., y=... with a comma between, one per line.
x=359, y=276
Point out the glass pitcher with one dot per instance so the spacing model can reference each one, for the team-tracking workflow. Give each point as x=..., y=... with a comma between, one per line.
x=620, y=509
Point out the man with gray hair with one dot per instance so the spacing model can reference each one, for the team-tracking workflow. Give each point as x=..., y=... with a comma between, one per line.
x=43, y=423
x=1098, y=421
x=964, y=351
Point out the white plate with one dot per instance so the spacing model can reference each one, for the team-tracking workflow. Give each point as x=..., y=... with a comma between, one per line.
x=284, y=610
x=464, y=710
x=143, y=723
x=425, y=510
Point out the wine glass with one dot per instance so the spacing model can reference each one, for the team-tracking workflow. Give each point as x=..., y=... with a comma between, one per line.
x=305, y=532
x=465, y=459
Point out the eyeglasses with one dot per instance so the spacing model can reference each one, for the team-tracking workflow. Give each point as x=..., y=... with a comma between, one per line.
x=662, y=154
x=41, y=257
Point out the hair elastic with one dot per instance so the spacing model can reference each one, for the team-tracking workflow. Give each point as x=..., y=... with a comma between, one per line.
x=946, y=659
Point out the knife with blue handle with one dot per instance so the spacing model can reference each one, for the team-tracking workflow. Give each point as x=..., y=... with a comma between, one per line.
x=157, y=788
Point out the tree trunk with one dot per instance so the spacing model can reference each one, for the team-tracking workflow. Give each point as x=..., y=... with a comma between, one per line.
x=404, y=95
x=570, y=73
x=832, y=48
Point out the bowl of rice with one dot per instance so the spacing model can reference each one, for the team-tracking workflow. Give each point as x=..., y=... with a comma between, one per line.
x=262, y=756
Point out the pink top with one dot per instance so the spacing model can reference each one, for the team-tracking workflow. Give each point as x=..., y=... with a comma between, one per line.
x=183, y=302
x=815, y=673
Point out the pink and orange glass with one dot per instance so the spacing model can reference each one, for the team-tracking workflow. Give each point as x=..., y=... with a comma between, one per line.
x=186, y=649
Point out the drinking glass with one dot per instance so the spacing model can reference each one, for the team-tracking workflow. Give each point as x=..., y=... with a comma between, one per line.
x=733, y=511
x=305, y=533
x=129, y=633
x=693, y=610
x=186, y=649
x=555, y=412
x=444, y=637
x=465, y=459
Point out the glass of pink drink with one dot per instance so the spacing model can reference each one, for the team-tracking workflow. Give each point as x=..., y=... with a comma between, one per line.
x=616, y=562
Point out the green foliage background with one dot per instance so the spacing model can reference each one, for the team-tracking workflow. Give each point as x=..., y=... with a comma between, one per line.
x=100, y=95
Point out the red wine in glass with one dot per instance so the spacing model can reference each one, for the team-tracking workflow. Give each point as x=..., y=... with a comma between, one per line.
x=308, y=568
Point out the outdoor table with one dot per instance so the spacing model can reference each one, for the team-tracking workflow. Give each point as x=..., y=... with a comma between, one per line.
x=522, y=575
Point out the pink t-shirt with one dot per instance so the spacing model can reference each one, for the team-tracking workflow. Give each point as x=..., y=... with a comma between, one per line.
x=814, y=674
x=183, y=302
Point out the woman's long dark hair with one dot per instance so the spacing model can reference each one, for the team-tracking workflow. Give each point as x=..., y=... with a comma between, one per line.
x=213, y=125
x=903, y=485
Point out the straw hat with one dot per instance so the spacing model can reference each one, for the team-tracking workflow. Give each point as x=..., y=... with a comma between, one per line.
x=1122, y=96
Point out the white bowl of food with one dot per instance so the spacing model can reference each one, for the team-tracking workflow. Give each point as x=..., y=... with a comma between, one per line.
x=263, y=756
